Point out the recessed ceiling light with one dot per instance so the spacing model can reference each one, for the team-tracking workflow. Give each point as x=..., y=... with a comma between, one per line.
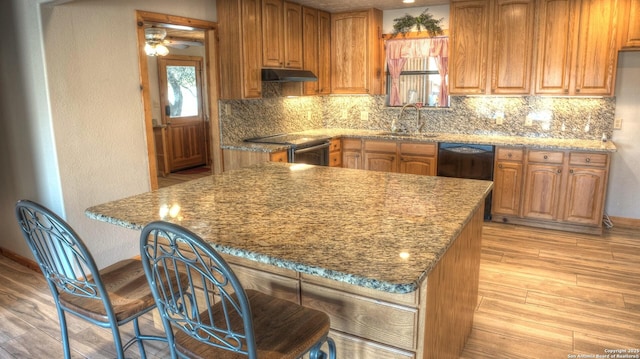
x=408, y=1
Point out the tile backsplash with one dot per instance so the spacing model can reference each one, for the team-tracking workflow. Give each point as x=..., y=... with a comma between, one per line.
x=529, y=116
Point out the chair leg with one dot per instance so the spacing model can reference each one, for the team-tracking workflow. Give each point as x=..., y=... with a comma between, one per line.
x=64, y=332
x=317, y=353
x=136, y=330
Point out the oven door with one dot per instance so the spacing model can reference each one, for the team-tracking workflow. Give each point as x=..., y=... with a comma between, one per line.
x=312, y=155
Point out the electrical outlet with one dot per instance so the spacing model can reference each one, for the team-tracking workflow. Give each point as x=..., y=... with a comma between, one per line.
x=227, y=109
x=309, y=116
x=528, y=121
x=364, y=116
x=499, y=120
x=617, y=124
x=344, y=114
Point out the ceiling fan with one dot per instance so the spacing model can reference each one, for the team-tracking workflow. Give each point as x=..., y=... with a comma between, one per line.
x=157, y=41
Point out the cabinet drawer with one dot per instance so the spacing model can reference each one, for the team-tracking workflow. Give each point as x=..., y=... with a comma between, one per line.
x=351, y=144
x=588, y=159
x=546, y=156
x=351, y=347
x=380, y=146
x=364, y=317
x=335, y=159
x=509, y=154
x=335, y=145
x=427, y=149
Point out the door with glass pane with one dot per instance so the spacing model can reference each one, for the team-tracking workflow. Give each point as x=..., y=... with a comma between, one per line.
x=182, y=111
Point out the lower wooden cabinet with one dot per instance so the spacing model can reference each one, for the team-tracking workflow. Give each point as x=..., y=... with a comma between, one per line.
x=403, y=157
x=352, y=153
x=335, y=153
x=560, y=189
x=380, y=156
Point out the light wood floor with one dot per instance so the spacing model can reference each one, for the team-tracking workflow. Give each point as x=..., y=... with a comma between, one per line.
x=543, y=294
x=175, y=178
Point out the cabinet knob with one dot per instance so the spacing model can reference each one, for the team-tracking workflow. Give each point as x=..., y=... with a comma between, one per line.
x=500, y=165
x=577, y=90
x=546, y=157
x=559, y=171
x=587, y=160
x=571, y=171
x=509, y=155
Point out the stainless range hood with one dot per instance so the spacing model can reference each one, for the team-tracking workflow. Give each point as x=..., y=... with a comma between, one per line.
x=287, y=75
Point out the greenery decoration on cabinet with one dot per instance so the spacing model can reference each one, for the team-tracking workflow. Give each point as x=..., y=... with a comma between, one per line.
x=404, y=24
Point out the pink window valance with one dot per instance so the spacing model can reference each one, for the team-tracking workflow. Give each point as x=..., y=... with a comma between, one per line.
x=399, y=50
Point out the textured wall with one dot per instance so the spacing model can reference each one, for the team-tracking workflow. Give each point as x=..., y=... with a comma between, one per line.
x=576, y=118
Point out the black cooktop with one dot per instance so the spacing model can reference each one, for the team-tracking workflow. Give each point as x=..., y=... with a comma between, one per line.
x=288, y=139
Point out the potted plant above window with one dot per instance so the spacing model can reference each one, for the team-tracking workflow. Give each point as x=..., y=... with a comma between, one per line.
x=403, y=25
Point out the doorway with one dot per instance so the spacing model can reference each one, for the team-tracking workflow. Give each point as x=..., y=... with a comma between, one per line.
x=180, y=139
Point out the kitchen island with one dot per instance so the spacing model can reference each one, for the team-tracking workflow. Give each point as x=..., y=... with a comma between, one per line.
x=392, y=258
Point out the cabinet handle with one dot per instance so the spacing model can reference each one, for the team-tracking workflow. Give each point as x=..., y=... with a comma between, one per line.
x=546, y=157
x=588, y=160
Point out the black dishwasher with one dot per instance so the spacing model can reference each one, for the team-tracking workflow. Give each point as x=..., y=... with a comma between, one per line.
x=463, y=160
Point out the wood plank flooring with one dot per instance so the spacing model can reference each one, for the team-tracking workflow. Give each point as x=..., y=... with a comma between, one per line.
x=175, y=178
x=543, y=294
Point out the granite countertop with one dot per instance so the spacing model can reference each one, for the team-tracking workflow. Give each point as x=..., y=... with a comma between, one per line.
x=515, y=141
x=378, y=230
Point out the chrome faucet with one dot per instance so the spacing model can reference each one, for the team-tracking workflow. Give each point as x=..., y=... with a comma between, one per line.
x=394, y=127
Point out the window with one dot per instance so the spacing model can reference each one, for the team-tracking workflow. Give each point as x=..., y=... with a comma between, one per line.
x=419, y=82
x=417, y=71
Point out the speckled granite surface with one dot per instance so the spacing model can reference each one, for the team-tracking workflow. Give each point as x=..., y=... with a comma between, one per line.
x=373, y=229
x=489, y=139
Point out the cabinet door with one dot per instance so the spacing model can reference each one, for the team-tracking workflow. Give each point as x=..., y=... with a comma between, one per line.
x=631, y=32
x=507, y=186
x=292, y=35
x=512, y=47
x=556, y=39
x=418, y=165
x=380, y=161
x=469, y=47
x=251, y=49
x=310, y=44
x=349, y=55
x=272, y=33
x=542, y=191
x=597, y=48
x=324, y=53
x=352, y=159
x=585, y=195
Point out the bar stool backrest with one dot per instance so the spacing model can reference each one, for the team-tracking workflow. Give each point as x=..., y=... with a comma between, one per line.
x=169, y=253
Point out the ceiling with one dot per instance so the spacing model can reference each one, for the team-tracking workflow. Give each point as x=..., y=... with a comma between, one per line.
x=347, y=5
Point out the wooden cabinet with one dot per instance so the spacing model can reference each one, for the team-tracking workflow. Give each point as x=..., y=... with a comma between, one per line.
x=586, y=187
x=240, y=36
x=577, y=47
x=562, y=189
x=234, y=159
x=507, y=181
x=380, y=156
x=281, y=34
x=316, y=34
x=630, y=25
x=335, y=153
x=418, y=158
x=352, y=153
x=543, y=185
x=356, y=61
x=491, y=37
x=280, y=156
x=469, y=46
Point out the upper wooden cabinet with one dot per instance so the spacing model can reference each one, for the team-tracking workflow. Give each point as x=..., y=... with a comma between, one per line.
x=577, y=47
x=316, y=42
x=356, y=61
x=469, y=46
x=492, y=37
x=240, y=36
x=630, y=34
x=281, y=34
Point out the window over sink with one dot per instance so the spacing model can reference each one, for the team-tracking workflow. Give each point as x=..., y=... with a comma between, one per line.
x=417, y=71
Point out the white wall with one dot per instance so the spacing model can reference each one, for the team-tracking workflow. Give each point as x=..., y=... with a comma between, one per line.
x=624, y=182
x=93, y=133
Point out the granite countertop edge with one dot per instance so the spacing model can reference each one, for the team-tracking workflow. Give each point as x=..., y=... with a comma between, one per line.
x=495, y=140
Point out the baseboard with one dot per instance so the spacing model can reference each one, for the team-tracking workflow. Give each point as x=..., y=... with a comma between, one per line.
x=27, y=262
x=622, y=222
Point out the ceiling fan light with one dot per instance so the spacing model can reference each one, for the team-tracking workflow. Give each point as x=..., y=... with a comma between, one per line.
x=162, y=50
x=408, y=1
x=149, y=49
